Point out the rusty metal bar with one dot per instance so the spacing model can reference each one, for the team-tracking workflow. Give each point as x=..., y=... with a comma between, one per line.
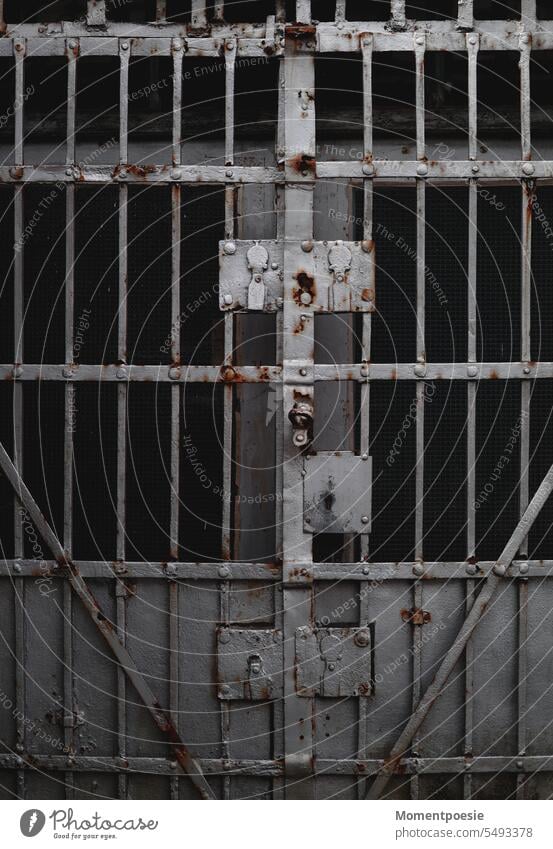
x=161, y=11
x=340, y=13
x=483, y=601
x=398, y=14
x=303, y=11
x=199, y=14
x=79, y=585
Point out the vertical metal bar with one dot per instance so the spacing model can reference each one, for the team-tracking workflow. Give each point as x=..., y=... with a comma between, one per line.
x=465, y=17
x=297, y=545
x=161, y=11
x=527, y=195
x=420, y=386
x=303, y=11
x=278, y=705
x=19, y=548
x=96, y=13
x=176, y=237
x=199, y=15
x=70, y=410
x=218, y=11
x=230, y=65
x=122, y=389
x=528, y=14
x=340, y=14
x=398, y=14
x=364, y=414
x=472, y=56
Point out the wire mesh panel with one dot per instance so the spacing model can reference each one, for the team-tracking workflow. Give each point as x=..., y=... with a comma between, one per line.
x=162, y=573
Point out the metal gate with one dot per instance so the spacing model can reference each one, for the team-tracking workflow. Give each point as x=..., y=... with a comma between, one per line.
x=367, y=613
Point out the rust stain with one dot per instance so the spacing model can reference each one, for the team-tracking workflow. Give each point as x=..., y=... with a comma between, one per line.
x=306, y=287
x=304, y=164
x=367, y=295
x=416, y=616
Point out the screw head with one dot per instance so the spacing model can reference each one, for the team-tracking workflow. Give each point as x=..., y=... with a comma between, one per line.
x=224, y=635
x=72, y=44
x=18, y=371
x=123, y=175
x=229, y=248
x=178, y=45
x=68, y=372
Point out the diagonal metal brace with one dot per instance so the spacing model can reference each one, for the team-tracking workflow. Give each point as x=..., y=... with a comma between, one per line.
x=162, y=719
x=476, y=612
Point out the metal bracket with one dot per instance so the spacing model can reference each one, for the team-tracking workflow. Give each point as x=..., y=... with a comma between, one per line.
x=248, y=664
x=334, y=662
x=341, y=277
x=337, y=493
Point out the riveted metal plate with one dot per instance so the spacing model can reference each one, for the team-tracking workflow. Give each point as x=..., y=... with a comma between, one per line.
x=334, y=662
x=337, y=493
x=249, y=664
x=338, y=277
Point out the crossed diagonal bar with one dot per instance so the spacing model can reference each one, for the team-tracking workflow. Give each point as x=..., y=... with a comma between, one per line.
x=164, y=722
x=476, y=612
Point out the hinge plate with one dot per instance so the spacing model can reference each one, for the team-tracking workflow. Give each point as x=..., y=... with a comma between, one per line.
x=340, y=276
x=334, y=662
x=249, y=664
x=337, y=493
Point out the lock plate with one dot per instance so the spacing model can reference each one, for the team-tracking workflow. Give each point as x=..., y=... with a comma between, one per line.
x=337, y=493
x=338, y=276
x=249, y=664
x=334, y=662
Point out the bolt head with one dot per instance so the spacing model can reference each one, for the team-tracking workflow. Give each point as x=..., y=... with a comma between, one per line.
x=17, y=567
x=68, y=372
x=528, y=169
x=362, y=639
x=229, y=248
x=229, y=174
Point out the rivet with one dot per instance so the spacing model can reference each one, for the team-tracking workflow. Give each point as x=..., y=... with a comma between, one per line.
x=420, y=369
x=300, y=437
x=528, y=168
x=18, y=371
x=15, y=173
x=418, y=569
x=72, y=45
x=303, y=372
x=280, y=302
x=229, y=174
x=365, y=520
x=122, y=372
x=173, y=764
x=229, y=248
x=364, y=456
x=520, y=764
x=125, y=45
x=366, y=570
x=307, y=246
x=470, y=569
x=523, y=568
x=362, y=639
x=420, y=40
x=123, y=175
x=177, y=45
x=526, y=369
x=473, y=39
x=303, y=317
x=174, y=373
x=340, y=25
x=225, y=690
x=228, y=300
x=17, y=567
x=500, y=570
x=422, y=170
x=525, y=39
x=475, y=169
x=368, y=169
x=68, y=372
x=229, y=45
x=274, y=266
x=176, y=174
x=224, y=636
x=472, y=371
x=332, y=666
x=19, y=47
x=68, y=172
x=303, y=473
x=305, y=298
x=223, y=571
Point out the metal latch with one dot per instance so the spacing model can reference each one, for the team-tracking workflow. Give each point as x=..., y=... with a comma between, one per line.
x=341, y=276
x=334, y=662
x=337, y=493
x=301, y=417
x=248, y=663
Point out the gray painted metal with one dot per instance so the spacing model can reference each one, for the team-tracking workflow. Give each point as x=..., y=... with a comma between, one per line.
x=329, y=741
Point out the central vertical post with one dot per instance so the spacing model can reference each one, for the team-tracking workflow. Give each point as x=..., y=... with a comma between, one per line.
x=298, y=354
